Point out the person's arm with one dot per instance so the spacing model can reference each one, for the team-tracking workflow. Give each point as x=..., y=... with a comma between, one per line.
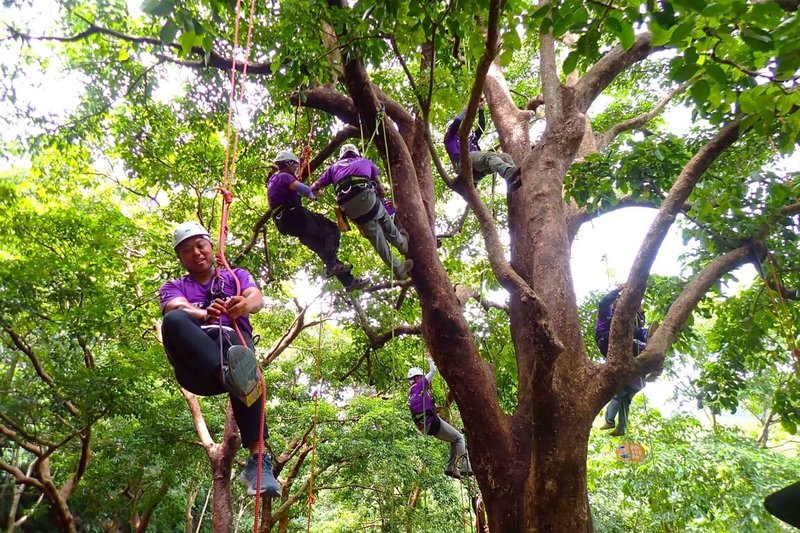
x=193, y=311
x=452, y=129
x=302, y=188
x=606, y=302
x=250, y=301
x=317, y=186
x=431, y=370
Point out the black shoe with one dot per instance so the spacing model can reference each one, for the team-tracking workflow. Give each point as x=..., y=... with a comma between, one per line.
x=515, y=181
x=356, y=284
x=337, y=268
x=455, y=474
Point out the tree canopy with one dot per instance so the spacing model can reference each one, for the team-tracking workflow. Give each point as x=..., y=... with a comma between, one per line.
x=121, y=121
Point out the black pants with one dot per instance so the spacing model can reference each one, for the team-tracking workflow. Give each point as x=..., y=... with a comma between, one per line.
x=785, y=504
x=195, y=355
x=316, y=232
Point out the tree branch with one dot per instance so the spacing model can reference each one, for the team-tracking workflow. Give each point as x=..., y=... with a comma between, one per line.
x=213, y=60
x=603, y=140
x=606, y=70
x=619, y=338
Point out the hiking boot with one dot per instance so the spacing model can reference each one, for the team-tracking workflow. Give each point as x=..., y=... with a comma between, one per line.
x=606, y=425
x=617, y=433
x=514, y=182
x=249, y=476
x=403, y=247
x=356, y=284
x=402, y=271
x=337, y=268
x=452, y=473
x=240, y=376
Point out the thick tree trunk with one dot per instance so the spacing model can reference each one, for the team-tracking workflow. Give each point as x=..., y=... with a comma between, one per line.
x=221, y=458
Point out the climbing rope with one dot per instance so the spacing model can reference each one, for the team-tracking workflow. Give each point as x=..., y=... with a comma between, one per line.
x=229, y=171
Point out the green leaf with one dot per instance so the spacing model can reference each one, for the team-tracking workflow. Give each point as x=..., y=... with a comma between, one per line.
x=168, y=32
x=187, y=42
x=757, y=39
x=681, y=32
x=571, y=62
x=685, y=72
x=661, y=36
x=700, y=91
x=716, y=72
x=694, y=5
x=627, y=36
x=158, y=8
x=715, y=9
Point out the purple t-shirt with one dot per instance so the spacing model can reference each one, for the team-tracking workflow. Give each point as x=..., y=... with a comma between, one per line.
x=200, y=294
x=419, y=397
x=605, y=312
x=451, y=144
x=278, y=191
x=344, y=168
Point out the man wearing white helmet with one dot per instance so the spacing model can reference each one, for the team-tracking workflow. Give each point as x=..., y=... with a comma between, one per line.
x=428, y=422
x=199, y=311
x=315, y=231
x=358, y=190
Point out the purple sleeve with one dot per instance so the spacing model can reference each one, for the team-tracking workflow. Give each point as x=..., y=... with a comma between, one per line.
x=168, y=292
x=324, y=180
x=451, y=140
x=245, y=279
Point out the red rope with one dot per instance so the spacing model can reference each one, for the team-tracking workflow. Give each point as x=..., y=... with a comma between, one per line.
x=229, y=172
x=227, y=199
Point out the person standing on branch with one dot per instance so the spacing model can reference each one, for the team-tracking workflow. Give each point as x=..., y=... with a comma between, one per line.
x=316, y=232
x=483, y=163
x=204, y=349
x=621, y=402
x=358, y=194
x=428, y=422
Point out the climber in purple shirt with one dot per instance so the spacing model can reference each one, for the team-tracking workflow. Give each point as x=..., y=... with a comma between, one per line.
x=358, y=193
x=620, y=404
x=319, y=234
x=428, y=422
x=203, y=348
x=483, y=163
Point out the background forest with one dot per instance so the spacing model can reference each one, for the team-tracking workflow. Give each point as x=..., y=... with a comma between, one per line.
x=114, y=130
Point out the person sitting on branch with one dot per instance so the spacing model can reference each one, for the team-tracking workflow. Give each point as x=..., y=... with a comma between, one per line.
x=205, y=350
x=621, y=402
x=428, y=422
x=358, y=194
x=483, y=163
x=316, y=232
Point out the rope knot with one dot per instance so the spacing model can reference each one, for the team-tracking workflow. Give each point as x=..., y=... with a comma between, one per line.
x=227, y=196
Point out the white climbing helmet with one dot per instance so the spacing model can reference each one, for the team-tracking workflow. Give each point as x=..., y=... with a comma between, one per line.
x=348, y=148
x=187, y=230
x=414, y=372
x=286, y=156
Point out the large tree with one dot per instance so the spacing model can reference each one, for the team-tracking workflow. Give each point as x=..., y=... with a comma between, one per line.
x=389, y=71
